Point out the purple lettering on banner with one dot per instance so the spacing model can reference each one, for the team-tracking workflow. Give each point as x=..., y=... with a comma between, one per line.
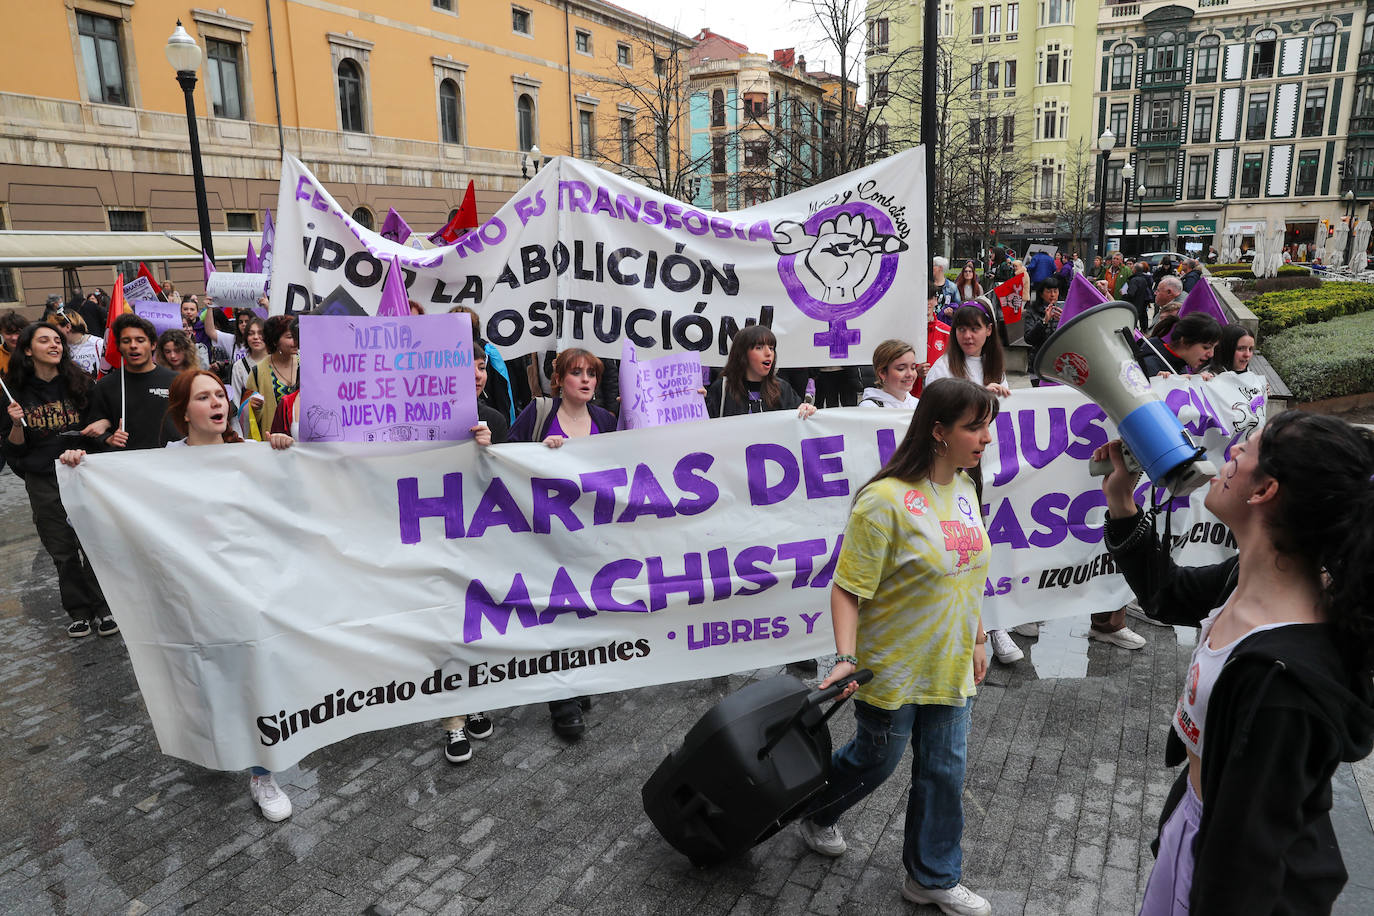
x=756, y=457
x=564, y=598
x=887, y=444
x=821, y=456
x=165, y=316
x=498, y=508
x=603, y=484
x=751, y=565
x=412, y=508
x=1037, y=457
x=690, y=582
x=478, y=605
x=386, y=379
x=1044, y=512
x=554, y=497
x=690, y=476
x=1008, y=462
x=1085, y=423
x=802, y=553
x=646, y=497
x=718, y=563
x=604, y=581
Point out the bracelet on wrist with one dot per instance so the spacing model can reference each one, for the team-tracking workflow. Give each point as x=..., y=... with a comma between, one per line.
x=980, y=639
x=847, y=658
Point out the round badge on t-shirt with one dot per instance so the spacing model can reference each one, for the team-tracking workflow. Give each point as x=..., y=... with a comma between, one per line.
x=916, y=503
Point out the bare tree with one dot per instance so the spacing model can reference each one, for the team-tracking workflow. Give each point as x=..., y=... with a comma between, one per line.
x=1076, y=212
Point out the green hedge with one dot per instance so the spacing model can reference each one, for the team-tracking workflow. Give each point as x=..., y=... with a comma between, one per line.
x=1285, y=308
x=1244, y=272
x=1326, y=360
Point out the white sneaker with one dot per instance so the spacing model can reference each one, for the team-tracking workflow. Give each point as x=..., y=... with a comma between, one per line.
x=954, y=901
x=1125, y=637
x=1029, y=630
x=828, y=841
x=275, y=805
x=1003, y=649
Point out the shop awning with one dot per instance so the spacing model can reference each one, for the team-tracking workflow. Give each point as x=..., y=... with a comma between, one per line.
x=1149, y=227
x=1197, y=227
x=24, y=248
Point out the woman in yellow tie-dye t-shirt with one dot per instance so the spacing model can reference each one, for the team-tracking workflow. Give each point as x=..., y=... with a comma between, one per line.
x=906, y=603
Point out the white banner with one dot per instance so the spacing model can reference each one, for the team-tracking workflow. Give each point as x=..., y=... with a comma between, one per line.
x=309, y=598
x=581, y=257
x=236, y=289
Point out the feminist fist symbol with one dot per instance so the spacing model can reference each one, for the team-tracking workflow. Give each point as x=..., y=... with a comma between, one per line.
x=841, y=254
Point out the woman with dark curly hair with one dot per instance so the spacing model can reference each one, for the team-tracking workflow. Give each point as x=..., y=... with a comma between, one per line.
x=51, y=401
x=277, y=376
x=1279, y=690
x=177, y=351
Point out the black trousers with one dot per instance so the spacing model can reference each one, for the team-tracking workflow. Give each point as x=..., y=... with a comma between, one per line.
x=839, y=388
x=81, y=595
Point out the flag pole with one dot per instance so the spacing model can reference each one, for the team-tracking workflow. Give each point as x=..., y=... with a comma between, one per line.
x=11, y=397
x=121, y=397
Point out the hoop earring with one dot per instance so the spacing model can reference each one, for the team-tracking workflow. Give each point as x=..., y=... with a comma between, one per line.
x=938, y=453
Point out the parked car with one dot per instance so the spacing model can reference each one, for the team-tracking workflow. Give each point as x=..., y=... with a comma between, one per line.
x=1155, y=257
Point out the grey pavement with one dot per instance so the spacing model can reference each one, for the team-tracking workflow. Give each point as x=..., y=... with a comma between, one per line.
x=1065, y=782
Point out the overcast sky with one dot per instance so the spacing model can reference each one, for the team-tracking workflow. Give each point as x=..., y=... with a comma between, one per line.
x=763, y=25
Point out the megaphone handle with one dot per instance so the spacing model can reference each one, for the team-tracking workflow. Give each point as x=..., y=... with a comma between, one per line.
x=1101, y=468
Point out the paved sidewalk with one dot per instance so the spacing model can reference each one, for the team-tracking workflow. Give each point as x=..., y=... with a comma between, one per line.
x=1065, y=782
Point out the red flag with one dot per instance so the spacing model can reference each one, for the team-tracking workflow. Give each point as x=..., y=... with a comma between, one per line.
x=464, y=220
x=117, y=307
x=937, y=341
x=147, y=274
x=1008, y=293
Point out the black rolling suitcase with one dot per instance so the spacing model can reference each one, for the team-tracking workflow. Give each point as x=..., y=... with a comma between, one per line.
x=745, y=770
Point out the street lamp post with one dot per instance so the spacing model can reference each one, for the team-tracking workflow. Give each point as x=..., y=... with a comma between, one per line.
x=1139, y=218
x=1349, y=198
x=184, y=55
x=1127, y=185
x=1105, y=144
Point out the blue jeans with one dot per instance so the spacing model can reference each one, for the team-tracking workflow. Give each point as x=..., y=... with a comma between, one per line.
x=935, y=808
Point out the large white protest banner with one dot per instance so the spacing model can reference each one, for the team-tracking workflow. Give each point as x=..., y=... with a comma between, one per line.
x=405, y=583
x=583, y=257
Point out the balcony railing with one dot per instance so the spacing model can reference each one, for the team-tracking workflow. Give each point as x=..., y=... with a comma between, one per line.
x=1155, y=78
x=1124, y=10
x=1160, y=136
x=1366, y=58
x=1362, y=125
x=1155, y=193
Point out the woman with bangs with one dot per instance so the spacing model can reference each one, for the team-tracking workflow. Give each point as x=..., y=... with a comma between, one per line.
x=979, y=356
x=906, y=602
x=749, y=382
x=198, y=406
x=177, y=352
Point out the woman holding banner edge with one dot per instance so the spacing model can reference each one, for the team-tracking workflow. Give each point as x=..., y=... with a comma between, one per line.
x=907, y=603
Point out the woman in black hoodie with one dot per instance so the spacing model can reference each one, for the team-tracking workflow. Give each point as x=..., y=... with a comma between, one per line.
x=52, y=397
x=1279, y=689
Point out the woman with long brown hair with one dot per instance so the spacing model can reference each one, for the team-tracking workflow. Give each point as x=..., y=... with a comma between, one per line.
x=749, y=382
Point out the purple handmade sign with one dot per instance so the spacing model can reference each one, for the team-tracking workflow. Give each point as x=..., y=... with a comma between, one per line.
x=386, y=379
x=164, y=315
x=659, y=391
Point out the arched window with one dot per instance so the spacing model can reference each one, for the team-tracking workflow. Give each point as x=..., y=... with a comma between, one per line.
x=1323, y=47
x=1166, y=51
x=363, y=217
x=448, y=112
x=1122, y=55
x=1266, y=48
x=350, y=97
x=1208, y=59
x=718, y=108
x=524, y=120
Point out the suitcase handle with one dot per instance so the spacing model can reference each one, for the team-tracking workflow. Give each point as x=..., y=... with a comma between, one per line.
x=862, y=676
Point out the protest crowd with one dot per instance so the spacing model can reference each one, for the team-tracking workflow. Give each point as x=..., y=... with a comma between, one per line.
x=1279, y=687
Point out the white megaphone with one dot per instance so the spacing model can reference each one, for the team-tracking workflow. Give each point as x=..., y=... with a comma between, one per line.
x=1093, y=353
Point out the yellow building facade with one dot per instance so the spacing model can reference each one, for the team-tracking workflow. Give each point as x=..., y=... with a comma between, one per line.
x=390, y=104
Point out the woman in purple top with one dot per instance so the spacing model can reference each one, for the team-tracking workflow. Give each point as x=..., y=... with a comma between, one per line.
x=571, y=415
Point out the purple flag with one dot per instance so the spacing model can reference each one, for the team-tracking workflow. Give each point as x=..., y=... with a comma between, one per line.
x=1201, y=299
x=1082, y=296
x=394, y=300
x=395, y=228
x=209, y=265
x=251, y=263
x=269, y=241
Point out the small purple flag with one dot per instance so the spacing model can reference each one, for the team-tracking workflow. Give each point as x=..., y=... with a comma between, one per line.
x=1201, y=299
x=394, y=299
x=209, y=265
x=251, y=263
x=395, y=228
x=1082, y=296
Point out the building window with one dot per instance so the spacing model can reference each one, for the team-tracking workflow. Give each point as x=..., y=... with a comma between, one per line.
x=977, y=20
x=445, y=5
x=1008, y=131
x=1122, y=57
x=1119, y=122
x=1306, y=182
x=1314, y=112
x=1049, y=71
x=449, y=124
x=1257, y=116
x=128, y=221
x=1323, y=48
x=622, y=54
x=1208, y=59
x=524, y=121
x=974, y=133
x=877, y=36
x=1163, y=114
x=660, y=66
x=718, y=156
x=661, y=148
x=1198, y=170
x=582, y=41
x=994, y=72
x=363, y=217
x=717, y=108
x=1262, y=58
x=756, y=154
x=1202, y=121
x=241, y=221
x=586, y=133
x=350, y=96
x=1251, y=174
x=1050, y=121
x=756, y=105
x=222, y=73
x=521, y=21
x=1009, y=74
x=1113, y=180
x=1013, y=18
x=627, y=140
x=994, y=20
x=877, y=88
x=1158, y=176
x=102, y=59
x=975, y=78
